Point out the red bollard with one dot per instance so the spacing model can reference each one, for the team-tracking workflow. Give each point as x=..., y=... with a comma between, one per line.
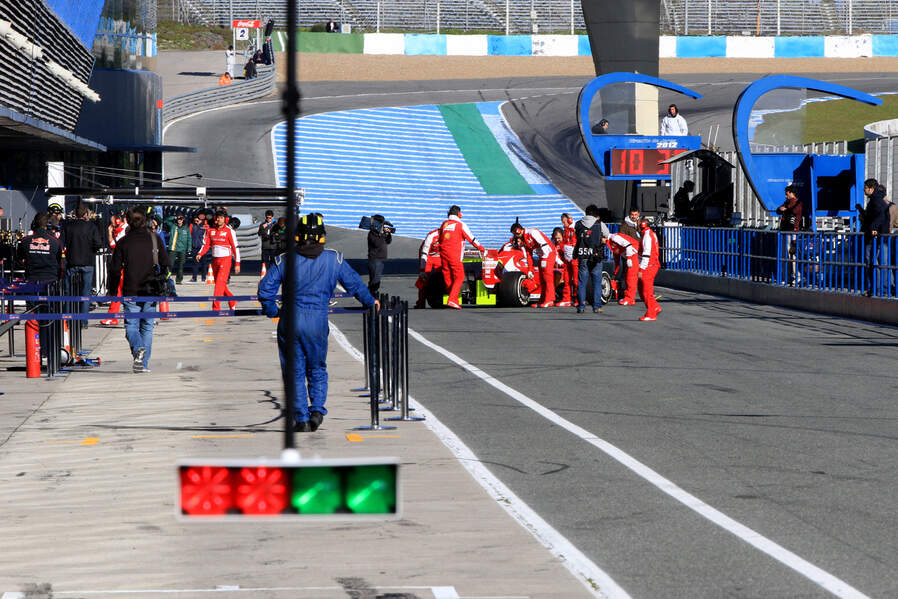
x=32, y=350
x=163, y=307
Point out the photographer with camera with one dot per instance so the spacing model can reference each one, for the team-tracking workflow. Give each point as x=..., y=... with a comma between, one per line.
x=379, y=237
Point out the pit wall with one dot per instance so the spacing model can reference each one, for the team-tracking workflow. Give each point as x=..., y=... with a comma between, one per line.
x=831, y=46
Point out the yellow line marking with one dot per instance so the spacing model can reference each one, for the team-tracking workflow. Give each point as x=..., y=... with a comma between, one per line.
x=221, y=436
x=210, y=321
x=204, y=305
x=357, y=438
x=86, y=441
x=207, y=340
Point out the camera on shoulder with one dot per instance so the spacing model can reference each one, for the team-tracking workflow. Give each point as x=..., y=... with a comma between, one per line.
x=377, y=224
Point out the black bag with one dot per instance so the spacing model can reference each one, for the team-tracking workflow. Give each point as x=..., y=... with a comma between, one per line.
x=590, y=244
x=159, y=284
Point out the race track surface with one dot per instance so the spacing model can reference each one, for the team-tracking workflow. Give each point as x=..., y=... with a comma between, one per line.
x=782, y=422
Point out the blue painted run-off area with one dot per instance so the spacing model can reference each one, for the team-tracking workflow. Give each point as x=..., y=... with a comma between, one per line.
x=403, y=162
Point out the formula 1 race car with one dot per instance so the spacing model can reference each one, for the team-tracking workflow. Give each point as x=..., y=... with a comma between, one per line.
x=508, y=277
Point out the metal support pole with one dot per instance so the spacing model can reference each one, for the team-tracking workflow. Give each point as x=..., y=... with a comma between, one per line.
x=403, y=361
x=378, y=16
x=373, y=373
x=850, y=15
x=709, y=17
x=572, y=17
x=507, y=17
x=438, y=17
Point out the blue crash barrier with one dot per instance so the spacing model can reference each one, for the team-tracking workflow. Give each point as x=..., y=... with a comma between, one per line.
x=829, y=261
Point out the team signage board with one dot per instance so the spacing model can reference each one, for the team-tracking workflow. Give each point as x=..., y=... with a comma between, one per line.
x=246, y=23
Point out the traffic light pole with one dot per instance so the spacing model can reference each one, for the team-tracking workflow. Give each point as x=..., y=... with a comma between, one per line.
x=291, y=111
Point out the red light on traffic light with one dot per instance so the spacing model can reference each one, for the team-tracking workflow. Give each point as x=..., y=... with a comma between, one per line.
x=261, y=491
x=205, y=490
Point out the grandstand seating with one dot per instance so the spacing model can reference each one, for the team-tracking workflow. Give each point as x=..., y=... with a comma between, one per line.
x=405, y=15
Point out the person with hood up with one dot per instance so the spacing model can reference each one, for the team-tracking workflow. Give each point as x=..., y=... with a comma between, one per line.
x=590, y=253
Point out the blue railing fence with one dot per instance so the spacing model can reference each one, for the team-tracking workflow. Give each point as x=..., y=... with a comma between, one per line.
x=832, y=261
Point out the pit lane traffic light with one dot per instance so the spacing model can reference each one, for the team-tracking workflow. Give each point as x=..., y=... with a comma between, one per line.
x=276, y=489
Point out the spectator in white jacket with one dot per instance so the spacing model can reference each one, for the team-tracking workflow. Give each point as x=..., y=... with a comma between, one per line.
x=674, y=123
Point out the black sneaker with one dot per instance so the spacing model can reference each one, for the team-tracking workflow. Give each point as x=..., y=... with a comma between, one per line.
x=315, y=420
x=302, y=427
x=137, y=364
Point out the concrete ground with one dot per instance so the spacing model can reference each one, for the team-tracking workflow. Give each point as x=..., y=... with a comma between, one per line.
x=89, y=488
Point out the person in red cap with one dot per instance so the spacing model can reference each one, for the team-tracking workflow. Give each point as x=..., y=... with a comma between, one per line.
x=648, y=268
x=537, y=242
x=453, y=235
x=625, y=250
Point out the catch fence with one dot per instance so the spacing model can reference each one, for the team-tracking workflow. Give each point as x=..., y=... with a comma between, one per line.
x=778, y=17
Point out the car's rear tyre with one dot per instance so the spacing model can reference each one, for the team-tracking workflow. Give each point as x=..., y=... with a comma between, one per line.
x=435, y=289
x=512, y=292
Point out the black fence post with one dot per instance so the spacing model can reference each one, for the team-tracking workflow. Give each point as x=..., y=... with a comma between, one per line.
x=374, y=345
x=404, y=371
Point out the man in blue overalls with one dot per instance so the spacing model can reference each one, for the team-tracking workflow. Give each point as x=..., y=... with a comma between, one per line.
x=317, y=273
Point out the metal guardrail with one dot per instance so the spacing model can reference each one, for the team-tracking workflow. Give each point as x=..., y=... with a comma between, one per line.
x=830, y=261
x=234, y=93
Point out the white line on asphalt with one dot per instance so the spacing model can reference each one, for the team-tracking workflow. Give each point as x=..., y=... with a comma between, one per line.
x=596, y=580
x=834, y=585
x=448, y=592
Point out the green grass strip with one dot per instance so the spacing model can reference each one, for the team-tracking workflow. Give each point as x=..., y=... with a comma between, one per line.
x=322, y=43
x=825, y=121
x=482, y=152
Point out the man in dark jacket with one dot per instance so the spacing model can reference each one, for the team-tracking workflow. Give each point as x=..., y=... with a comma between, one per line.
x=379, y=237
x=874, y=222
x=132, y=262
x=41, y=254
x=590, y=253
x=790, y=221
x=269, y=239
x=179, y=244
x=82, y=241
x=198, y=237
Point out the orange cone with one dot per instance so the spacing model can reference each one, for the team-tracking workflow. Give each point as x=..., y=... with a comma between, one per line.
x=210, y=278
x=264, y=270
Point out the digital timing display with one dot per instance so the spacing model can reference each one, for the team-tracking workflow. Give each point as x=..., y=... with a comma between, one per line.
x=642, y=161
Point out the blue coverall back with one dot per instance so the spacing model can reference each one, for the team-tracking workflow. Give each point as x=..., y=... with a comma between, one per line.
x=316, y=279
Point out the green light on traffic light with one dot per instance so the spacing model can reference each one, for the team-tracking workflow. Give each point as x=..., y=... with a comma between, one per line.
x=371, y=490
x=316, y=491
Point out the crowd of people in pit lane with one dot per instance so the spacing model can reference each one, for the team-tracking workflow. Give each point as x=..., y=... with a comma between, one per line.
x=579, y=250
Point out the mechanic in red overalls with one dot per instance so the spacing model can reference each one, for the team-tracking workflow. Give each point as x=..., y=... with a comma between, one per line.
x=562, y=263
x=222, y=240
x=537, y=242
x=428, y=261
x=648, y=268
x=571, y=265
x=117, y=229
x=453, y=235
x=625, y=248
